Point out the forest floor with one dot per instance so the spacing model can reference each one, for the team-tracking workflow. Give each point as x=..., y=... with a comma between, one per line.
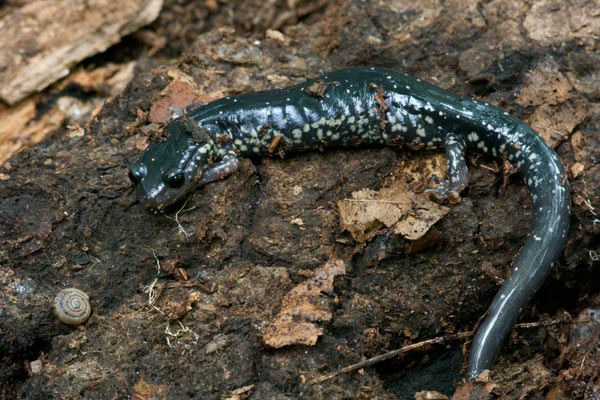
x=183, y=302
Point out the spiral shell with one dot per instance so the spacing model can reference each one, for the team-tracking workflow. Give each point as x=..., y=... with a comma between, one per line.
x=72, y=306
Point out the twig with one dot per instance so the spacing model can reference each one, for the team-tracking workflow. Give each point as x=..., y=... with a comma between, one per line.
x=390, y=354
x=438, y=340
x=550, y=322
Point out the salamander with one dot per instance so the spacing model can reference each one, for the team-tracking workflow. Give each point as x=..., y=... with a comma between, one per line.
x=367, y=107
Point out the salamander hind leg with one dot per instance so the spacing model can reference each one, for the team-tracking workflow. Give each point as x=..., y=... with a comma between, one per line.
x=458, y=175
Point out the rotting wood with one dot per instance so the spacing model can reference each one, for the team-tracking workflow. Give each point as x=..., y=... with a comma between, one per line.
x=43, y=39
x=26, y=124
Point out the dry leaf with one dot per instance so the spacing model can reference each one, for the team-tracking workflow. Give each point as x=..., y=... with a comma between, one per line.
x=303, y=307
x=409, y=214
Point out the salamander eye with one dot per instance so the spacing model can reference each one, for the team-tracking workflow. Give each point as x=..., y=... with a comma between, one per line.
x=137, y=172
x=176, y=179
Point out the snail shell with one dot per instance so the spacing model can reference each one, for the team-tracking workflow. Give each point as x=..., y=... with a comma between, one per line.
x=72, y=306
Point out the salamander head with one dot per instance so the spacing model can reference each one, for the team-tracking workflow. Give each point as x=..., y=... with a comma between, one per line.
x=170, y=169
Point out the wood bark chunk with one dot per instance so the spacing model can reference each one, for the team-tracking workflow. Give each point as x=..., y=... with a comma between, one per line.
x=303, y=307
x=44, y=38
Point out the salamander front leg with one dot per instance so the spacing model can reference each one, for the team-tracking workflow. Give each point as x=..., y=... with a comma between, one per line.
x=222, y=169
x=458, y=174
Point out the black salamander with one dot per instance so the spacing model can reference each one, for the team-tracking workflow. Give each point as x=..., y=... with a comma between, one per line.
x=369, y=106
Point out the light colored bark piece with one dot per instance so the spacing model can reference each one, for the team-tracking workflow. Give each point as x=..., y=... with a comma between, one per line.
x=303, y=307
x=40, y=41
x=25, y=125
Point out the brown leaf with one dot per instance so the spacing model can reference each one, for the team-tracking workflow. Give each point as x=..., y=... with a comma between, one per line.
x=409, y=214
x=303, y=307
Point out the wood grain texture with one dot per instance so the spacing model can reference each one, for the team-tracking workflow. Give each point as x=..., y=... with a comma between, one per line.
x=43, y=39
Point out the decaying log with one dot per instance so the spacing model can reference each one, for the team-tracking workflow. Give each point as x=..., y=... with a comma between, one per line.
x=43, y=39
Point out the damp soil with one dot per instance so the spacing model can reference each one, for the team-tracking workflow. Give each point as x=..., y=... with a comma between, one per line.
x=181, y=299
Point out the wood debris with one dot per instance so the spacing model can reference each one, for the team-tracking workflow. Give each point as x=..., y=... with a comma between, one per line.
x=39, y=48
x=29, y=123
x=303, y=307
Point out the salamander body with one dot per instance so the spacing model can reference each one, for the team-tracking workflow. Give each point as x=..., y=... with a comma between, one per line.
x=369, y=106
